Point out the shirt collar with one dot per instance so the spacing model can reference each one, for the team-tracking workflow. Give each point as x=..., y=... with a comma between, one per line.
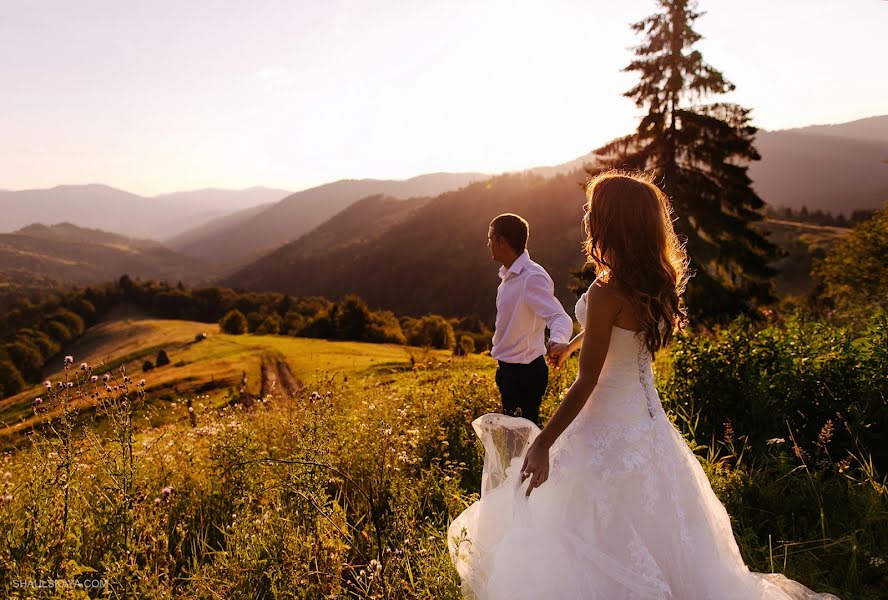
x=516, y=267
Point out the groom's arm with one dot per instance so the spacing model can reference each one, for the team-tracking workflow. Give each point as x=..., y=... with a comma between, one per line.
x=539, y=293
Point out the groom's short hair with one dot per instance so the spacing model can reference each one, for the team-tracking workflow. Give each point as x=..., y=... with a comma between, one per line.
x=514, y=229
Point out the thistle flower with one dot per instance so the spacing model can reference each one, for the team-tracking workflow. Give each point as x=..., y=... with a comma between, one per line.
x=105, y=377
x=69, y=359
x=166, y=491
x=38, y=400
x=83, y=366
x=94, y=378
x=47, y=384
x=70, y=384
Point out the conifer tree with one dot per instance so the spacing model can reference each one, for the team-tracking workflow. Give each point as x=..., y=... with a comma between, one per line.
x=699, y=154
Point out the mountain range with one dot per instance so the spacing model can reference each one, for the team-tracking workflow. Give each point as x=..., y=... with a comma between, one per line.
x=250, y=233
x=429, y=255
x=68, y=254
x=371, y=236
x=99, y=206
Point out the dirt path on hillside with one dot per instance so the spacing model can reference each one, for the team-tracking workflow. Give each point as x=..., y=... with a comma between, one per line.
x=276, y=378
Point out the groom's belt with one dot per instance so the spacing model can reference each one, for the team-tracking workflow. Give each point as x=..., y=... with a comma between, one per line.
x=540, y=358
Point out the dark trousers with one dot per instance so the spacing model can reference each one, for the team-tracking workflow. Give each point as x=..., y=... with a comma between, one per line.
x=522, y=387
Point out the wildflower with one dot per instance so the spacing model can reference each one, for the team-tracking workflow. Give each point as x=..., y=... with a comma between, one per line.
x=105, y=377
x=7, y=498
x=70, y=384
x=69, y=359
x=7, y=476
x=142, y=382
x=83, y=366
x=47, y=384
x=166, y=491
x=157, y=501
x=315, y=396
x=94, y=378
x=876, y=561
x=38, y=400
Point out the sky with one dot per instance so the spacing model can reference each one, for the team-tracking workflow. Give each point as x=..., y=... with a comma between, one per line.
x=167, y=95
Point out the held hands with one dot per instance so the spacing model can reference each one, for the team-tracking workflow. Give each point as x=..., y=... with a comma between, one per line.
x=536, y=465
x=557, y=354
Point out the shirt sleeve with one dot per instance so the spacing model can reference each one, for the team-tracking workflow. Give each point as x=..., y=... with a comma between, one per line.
x=539, y=293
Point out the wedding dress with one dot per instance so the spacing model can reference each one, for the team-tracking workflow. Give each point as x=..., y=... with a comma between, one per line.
x=626, y=513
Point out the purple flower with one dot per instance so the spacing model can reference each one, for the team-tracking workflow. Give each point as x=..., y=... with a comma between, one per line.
x=94, y=378
x=69, y=359
x=105, y=377
x=38, y=400
x=166, y=491
x=47, y=384
x=83, y=366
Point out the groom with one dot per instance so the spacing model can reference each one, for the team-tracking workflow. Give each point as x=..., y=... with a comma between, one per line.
x=525, y=306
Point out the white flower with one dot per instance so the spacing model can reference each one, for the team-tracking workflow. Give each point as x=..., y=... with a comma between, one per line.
x=69, y=359
x=47, y=384
x=94, y=378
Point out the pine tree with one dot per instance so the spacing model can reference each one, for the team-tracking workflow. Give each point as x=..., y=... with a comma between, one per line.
x=699, y=154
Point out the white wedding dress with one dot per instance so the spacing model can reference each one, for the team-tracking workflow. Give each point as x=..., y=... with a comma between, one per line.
x=627, y=511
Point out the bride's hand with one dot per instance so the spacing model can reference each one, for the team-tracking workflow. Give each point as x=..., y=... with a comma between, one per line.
x=536, y=466
x=558, y=354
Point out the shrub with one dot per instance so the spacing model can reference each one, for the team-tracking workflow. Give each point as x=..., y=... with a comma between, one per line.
x=11, y=381
x=26, y=358
x=69, y=319
x=432, y=330
x=233, y=322
x=162, y=359
x=58, y=331
x=781, y=380
x=465, y=346
x=271, y=325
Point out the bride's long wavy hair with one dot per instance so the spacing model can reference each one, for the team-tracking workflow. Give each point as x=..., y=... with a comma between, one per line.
x=632, y=244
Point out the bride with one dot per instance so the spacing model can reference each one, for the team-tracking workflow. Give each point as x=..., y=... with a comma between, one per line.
x=607, y=501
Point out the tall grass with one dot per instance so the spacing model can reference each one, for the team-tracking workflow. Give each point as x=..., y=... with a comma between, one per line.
x=346, y=489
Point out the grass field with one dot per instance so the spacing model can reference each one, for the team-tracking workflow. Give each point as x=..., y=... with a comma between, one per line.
x=212, y=368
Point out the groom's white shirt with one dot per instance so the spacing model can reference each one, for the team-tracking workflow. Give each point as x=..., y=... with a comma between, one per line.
x=525, y=305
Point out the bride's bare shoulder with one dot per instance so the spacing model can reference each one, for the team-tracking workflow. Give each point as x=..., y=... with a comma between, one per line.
x=603, y=298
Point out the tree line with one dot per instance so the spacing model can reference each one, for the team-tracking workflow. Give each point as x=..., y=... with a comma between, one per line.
x=818, y=216
x=33, y=331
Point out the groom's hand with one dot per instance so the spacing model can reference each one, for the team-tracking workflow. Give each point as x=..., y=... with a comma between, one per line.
x=557, y=354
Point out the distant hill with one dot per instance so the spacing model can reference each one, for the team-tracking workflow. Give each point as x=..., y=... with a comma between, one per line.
x=837, y=168
x=234, y=241
x=110, y=209
x=432, y=256
x=68, y=254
